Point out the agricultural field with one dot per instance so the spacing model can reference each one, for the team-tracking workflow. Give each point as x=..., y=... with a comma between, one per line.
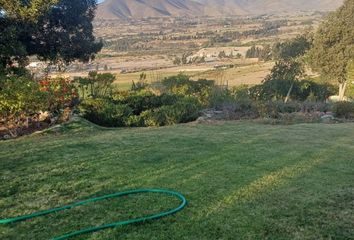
x=152, y=46
x=242, y=180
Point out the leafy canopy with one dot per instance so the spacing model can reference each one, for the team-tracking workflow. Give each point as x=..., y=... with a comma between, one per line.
x=333, y=48
x=58, y=31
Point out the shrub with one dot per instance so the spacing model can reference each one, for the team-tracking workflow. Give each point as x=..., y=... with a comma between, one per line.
x=186, y=110
x=139, y=109
x=183, y=85
x=144, y=100
x=106, y=113
x=20, y=96
x=275, y=109
x=343, y=109
x=240, y=92
x=134, y=121
x=61, y=93
x=219, y=98
x=302, y=90
x=23, y=98
x=95, y=85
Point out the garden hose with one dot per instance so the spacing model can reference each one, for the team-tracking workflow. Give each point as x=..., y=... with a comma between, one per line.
x=110, y=225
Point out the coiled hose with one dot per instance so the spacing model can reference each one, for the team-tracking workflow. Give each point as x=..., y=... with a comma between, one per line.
x=110, y=225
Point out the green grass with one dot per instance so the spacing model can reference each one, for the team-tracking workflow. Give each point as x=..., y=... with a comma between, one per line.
x=242, y=180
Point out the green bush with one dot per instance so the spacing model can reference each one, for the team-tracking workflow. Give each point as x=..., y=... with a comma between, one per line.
x=144, y=100
x=140, y=109
x=183, y=85
x=21, y=97
x=106, y=113
x=186, y=110
x=95, y=85
x=343, y=109
x=134, y=121
x=275, y=109
x=219, y=98
x=274, y=90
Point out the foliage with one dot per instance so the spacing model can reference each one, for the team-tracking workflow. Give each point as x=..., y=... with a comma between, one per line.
x=333, y=47
x=291, y=49
x=104, y=112
x=22, y=99
x=343, y=109
x=19, y=97
x=58, y=31
x=26, y=10
x=183, y=85
x=144, y=100
x=65, y=33
x=302, y=90
x=184, y=111
x=96, y=85
x=141, y=84
x=289, y=67
x=286, y=70
x=61, y=93
x=263, y=53
x=141, y=109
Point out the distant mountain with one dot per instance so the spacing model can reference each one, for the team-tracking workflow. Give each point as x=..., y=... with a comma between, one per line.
x=234, y=7
x=133, y=9
x=125, y=9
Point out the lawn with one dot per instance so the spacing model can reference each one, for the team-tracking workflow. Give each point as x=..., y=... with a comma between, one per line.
x=243, y=180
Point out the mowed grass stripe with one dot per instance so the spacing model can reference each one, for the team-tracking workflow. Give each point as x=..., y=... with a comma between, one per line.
x=233, y=175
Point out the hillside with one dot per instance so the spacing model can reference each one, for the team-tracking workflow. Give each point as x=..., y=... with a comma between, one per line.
x=126, y=9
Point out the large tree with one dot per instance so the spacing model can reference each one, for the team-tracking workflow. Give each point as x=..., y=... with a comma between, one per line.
x=289, y=66
x=58, y=31
x=333, y=46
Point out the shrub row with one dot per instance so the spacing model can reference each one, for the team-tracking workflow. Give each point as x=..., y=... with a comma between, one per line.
x=141, y=110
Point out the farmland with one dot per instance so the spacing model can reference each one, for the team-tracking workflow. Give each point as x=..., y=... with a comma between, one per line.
x=151, y=46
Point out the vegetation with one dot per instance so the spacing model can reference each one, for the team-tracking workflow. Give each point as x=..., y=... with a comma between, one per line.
x=262, y=53
x=278, y=89
x=22, y=100
x=239, y=177
x=179, y=101
x=289, y=66
x=240, y=173
x=333, y=48
x=95, y=85
x=58, y=31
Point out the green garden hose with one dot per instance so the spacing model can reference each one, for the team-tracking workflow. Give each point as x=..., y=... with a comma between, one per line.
x=110, y=225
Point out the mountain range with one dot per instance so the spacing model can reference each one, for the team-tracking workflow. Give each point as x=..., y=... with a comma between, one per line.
x=135, y=9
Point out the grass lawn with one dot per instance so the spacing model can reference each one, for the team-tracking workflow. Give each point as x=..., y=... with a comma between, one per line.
x=242, y=180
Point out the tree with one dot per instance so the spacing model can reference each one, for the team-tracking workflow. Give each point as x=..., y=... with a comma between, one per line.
x=58, y=31
x=292, y=48
x=262, y=53
x=23, y=10
x=289, y=66
x=333, y=47
x=222, y=54
x=283, y=73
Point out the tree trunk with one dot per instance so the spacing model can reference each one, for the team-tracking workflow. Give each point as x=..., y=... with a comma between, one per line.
x=342, y=89
x=289, y=92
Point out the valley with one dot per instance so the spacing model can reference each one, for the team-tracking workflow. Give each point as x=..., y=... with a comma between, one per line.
x=201, y=47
